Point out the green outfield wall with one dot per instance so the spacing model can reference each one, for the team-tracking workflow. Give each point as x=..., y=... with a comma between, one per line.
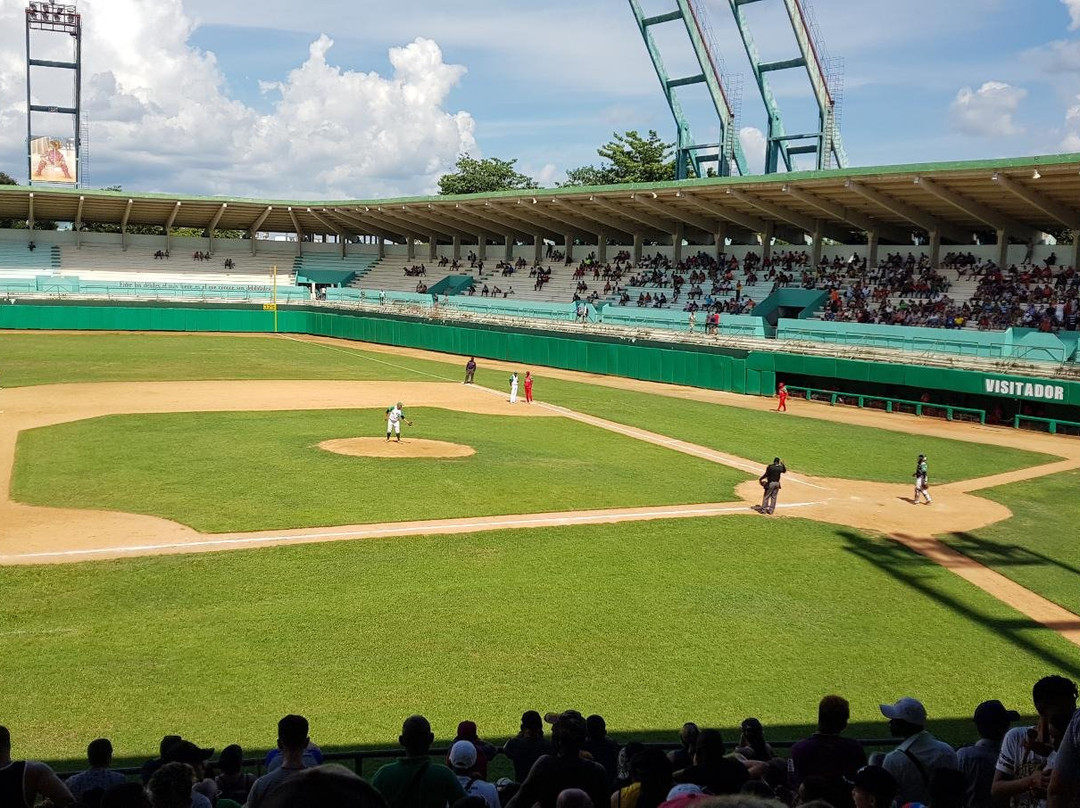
x=712, y=367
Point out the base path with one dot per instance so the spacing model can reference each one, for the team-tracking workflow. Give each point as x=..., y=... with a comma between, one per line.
x=31, y=534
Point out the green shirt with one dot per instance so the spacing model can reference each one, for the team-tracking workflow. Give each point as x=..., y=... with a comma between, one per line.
x=403, y=785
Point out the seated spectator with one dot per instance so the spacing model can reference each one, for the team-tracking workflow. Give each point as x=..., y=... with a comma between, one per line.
x=873, y=787
x=624, y=775
x=329, y=786
x=293, y=742
x=99, y=755
x=552, y=774
x=913, y=763
x=573, y=798
x=603, y=749
x=204, y=791
x=126, y=795
x=464, y=759
x=171, y=786
x=466, y=731
x=683, y=757
x=948, y=789
x=1023, y=776
x=826, y=753
x=652, y=775
x=414, y=781
x=26, y=780
x=752, y=745
x=1064, y=789
x=979, y=762
x=712, y=771
x=234, y=783
x=154, y=764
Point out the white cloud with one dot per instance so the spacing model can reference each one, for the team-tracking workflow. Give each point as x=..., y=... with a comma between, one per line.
x=752, y=140
x=988, y=111
x=1074, y=12
x=161, y=116
x=1071, y=142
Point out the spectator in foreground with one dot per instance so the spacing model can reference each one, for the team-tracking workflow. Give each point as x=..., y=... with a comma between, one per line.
x=414, y=781
x=683, y=757
x=553, y=774
x=170, y=786
x=652, y=774
x=99, y=755
x=154, y=764
x=826, y=753
x=603, y=749
x=292, y=741
x=466, y=731
x=1064, y=790
x=948, y=789
x=329, y=786
x=127, y=795
x=1022, y=775
x=525, y=748
x=233, y=783
x=752, y=744
x=913, y=763
x=204, y=790
x=573, y=798
x=463, y=760
x=873, y=787
x=23, y=781
x=712, y=771
x=979, y=762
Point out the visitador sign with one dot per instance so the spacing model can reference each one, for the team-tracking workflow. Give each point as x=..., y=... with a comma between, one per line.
x=1025, y=388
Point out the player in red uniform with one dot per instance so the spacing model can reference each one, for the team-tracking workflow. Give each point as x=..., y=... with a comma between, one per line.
x=528, y=387
x=781, y=391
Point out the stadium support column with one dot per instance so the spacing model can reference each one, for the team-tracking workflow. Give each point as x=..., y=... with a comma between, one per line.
x=601, y=246
x=568, y=244
x=676, y=243
x=935, y=248
x=1076, y=249
x=637, y=248
x=410, y=249
x=455, y=245
x=1003, y=248
x=721, y=240
x=509, y=253
x=538, y=248
x=815, y=248
x=481, y=247
x=433, y=247
x=382, y=247
x=766, y=241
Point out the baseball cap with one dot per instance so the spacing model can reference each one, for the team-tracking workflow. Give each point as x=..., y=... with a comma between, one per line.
x=187, y=752
x=683, y=789
x=994, y=712
x=462, y=754
x=906, y=709
x=877, y=781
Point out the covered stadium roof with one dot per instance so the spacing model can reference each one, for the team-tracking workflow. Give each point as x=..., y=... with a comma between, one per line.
x=1022, y=197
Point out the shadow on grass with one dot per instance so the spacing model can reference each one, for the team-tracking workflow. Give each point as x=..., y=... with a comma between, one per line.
x=908, y=567
x=995, y=554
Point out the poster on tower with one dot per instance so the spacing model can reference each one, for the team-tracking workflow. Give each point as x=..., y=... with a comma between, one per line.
x=52, y=159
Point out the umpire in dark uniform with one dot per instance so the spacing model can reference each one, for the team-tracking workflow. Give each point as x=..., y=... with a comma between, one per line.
x=770, y=481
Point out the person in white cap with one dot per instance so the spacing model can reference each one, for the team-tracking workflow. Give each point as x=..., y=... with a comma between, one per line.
x=463, y=761
x=918, y=756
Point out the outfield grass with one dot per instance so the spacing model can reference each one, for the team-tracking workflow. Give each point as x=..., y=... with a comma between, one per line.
x=807, y=445
x=649, y=624
x=264, y=470
x=1037, y=548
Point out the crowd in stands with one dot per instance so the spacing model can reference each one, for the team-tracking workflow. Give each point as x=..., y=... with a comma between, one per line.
x=578, y=765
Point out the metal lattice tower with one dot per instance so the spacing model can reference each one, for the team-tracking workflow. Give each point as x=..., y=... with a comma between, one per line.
x=45, y=154
x=779, y=145
x=693, y=158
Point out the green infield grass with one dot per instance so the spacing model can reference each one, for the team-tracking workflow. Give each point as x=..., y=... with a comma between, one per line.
x=807, y=445
x=649, y=624
x=1037, y=548
x=264, y=470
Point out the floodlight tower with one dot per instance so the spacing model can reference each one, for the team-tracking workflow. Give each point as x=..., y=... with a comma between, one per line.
x=692, y=158
x=779, y=145
x=52, y=158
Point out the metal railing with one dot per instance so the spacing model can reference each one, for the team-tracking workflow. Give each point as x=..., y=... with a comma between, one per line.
x=1053, y=425
x=890, y=404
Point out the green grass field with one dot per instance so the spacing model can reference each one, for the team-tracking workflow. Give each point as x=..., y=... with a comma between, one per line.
x=264, y=470
x=651, y=624
x=1037, y=548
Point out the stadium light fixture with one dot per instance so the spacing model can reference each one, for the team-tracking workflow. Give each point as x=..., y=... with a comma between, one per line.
x=786, y=188
x=995, y=177
x=1035, y=175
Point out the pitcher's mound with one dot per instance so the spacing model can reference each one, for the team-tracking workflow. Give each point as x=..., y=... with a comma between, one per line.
x=409, y=447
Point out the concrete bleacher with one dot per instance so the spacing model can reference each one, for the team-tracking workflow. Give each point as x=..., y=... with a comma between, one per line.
x=332, y=268
x=109, y=264
x=19, y=261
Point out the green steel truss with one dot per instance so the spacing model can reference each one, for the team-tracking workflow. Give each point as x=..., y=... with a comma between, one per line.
x=725, y=156
x=780, y=146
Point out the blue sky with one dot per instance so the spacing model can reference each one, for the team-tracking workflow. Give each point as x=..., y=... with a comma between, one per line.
x=207, y=96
